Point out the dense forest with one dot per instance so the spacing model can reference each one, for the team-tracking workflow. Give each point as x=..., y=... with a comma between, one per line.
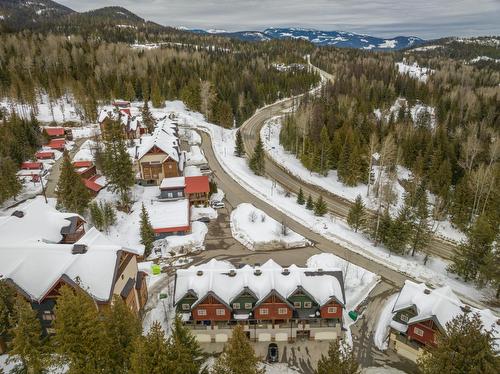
x=451, y=147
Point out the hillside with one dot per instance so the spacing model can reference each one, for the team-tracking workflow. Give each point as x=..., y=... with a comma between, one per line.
x=21, y=14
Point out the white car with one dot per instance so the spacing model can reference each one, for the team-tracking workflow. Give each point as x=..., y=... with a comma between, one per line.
x=218, y=205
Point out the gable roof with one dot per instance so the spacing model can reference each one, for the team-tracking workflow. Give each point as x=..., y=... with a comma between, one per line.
x=163, y=138
x=440, y=305
x=35, y=268
x=226, y=281
x=40, y=223
x=197, y=184
x=54, y=131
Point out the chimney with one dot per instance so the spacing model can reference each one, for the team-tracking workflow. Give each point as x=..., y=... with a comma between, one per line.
x=79, y=249
x=199, y=273
x=257, y=272
x=427, y=291
x=232, y=273
x=285, y=272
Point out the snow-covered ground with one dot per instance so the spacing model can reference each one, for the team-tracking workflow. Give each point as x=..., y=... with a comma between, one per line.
x=203, y=212
x=381, y=335
x=223, y=141
x=256, y=230
x=416, y=111
x=414, y=71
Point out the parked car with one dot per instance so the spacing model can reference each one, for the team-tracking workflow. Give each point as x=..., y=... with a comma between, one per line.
x=272, y=353
x=218, y=205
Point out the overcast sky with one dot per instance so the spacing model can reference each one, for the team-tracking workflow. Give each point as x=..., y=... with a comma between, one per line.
x=424, y=18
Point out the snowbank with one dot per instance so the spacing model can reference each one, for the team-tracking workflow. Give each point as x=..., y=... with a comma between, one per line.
x=203, y=212
x=256, y=230
x=381, y=335
x=182, y=244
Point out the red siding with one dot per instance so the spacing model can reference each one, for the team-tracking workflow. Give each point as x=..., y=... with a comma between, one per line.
x=273, y=304
x=427, y=338
x=324, y=310
x=210, y=305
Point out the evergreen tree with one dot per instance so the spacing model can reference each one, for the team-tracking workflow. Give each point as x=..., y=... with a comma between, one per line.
x=309, y=203
x=152, y=354
x=117, y=165
x=239, y=149
x=356, y=216
x=10, y=185
x=398, y=233
x=420, y=231
x=147, y=117
x=185, y=350
x=7, y=302
x=27, y=345
x=257, y=161
x=471, y=255
x=156, y=97
x=108, y=215
x=340, y=360
x=300, y=197
x=96, y=215
x=147, y=232
x=122, y=328
x=238, y=356
x=320, y=208
x=80, y=341
x=71, y=192
x=464, y=348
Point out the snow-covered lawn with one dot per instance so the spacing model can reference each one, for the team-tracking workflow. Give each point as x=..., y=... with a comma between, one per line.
x=256, y=230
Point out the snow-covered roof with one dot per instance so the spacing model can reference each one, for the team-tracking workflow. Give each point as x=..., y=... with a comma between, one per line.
x=40, y=223
x=322, y=284
x=170, y=214
x=195, y=156
x=164, y=138
x=441, y=305
x=173, y=182
x=35, y=268
x=192, y=171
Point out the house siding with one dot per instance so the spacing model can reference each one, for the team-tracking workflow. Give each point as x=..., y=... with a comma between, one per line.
x=210, y=305
x=428, y=337
x=325, y=314
x=242, y=300
x=273, y=304
x=188, y=299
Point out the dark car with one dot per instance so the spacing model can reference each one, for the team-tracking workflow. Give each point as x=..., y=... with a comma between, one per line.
x=272, y=352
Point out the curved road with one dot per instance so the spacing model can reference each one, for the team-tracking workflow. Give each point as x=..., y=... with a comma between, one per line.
x=337, y=205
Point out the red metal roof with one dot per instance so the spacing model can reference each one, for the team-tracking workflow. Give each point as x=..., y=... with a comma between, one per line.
x=125, y=111
x=172, y=229
x=44, y=155
x=83, y=164
x=54, y=131
x=57, y=143
x=31, y=165
x=91, y=185
x=197, y=184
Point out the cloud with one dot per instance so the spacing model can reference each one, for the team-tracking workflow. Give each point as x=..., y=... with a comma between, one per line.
x=424, y=18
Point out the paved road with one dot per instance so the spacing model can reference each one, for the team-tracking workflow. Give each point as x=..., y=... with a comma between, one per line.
x=337, y=205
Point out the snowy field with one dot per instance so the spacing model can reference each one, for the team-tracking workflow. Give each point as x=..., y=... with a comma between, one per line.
x=256, y=230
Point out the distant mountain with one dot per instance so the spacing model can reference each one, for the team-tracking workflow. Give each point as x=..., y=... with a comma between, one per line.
x=325, y=38
x=21, y=14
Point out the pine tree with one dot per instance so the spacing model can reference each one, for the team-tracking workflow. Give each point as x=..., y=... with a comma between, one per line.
x=356, y=216
x=80, y=340
x=152, y=354
x=71, y=192
x=108, y=215
x=239, y=149
x=27, y=345
x=257, y=162
x=96, y=215
x=464, y=348
x=238, y=356
x=300, y=197
x=320, y=208
x=185, y=350
x=10, y=185
x=471, y=255
x=7, y=302
x=117, y=165
x=309, y=203
x=156, y=96
x=147, y=232
x=147, y=117
x=340, y=360
x=398, y=233
x=122, y=328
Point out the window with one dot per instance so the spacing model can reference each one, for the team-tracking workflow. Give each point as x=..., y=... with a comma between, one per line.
x=170, y=194
x=236, y=306
x=418, y=331
x=48, y=315
x=307, y=304
x=403, y=318
x=220, y=312
x=248, y=306
x=332, y=309
x=297, y=304
x=186, y=307
x=202, y=312
x=282, y=311
x=264, y=311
